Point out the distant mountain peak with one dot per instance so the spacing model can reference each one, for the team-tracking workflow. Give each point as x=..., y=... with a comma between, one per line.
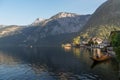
x=57, y=16
x=38, y=20
x=63, y=14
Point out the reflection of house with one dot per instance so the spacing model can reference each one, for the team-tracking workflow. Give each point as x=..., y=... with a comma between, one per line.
x=97, y=53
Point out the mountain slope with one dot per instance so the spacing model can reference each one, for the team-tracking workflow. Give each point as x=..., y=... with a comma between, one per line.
x=59, y=28
x=61, y=23
x=105, y=19
x=9, y=30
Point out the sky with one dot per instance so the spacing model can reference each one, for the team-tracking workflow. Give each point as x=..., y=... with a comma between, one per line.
x=24, y=12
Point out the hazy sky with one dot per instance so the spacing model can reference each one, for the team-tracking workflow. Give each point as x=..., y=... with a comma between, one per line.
x=23, y=12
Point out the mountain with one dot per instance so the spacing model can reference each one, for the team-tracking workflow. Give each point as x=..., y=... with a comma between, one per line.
x=38, y=21
x=9, y=30
x=104, y=20
x=2, y=26
x=61, y=23
x=55, y=30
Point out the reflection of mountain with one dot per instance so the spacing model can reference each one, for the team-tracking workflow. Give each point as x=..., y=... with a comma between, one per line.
x=55, y=61
x=12, y=68
x=6, y=59
x=52, y=58
x=82, y=54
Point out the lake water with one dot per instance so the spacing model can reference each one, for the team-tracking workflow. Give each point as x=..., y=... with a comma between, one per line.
x=54, y=63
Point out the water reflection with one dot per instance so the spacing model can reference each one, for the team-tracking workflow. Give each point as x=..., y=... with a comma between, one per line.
x=76, y=52
x=67, y=49
x=97, y=53
x=95, y=63
x=8, y=60
x=52, y=63
x=108, y=67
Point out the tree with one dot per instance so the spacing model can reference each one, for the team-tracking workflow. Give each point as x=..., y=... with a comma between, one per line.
x=90, y=42
x=115, y=42
x=96, y=43
x=76, y=41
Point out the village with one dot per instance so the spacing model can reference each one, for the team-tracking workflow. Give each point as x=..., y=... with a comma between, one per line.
x=104, y=45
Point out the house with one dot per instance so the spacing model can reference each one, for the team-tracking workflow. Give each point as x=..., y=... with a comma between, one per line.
x=98, y=40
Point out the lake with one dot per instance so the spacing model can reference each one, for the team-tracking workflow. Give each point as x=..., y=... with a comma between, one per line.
x=54, y=63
